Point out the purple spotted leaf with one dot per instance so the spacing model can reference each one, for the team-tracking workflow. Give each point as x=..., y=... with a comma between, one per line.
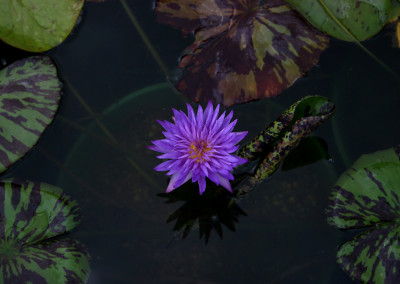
x=30, y=93
x=368, y=195
x=31, y=214
x=243, y=50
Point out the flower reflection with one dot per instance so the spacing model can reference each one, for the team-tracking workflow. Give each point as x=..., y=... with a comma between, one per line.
x=205, y=213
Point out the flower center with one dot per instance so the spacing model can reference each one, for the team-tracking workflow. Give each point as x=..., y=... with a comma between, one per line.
x=8, y=249
x=198, y=150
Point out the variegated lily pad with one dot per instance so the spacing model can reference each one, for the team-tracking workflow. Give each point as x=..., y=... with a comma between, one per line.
x=243, y=50
x=29, y=97
x=284, y=134
x=368, y=195
x=32, y=213
x=373, y=256
x=37, y=25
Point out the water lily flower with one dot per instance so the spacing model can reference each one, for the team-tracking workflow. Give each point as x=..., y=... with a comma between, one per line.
x=199, y=146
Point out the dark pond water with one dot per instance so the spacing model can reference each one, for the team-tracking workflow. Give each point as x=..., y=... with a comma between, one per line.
x=283, y=239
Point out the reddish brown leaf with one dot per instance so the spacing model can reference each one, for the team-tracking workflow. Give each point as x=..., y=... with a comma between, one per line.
x=243, y=50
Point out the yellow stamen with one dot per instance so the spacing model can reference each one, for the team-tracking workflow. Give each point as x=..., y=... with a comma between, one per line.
x=198, y=150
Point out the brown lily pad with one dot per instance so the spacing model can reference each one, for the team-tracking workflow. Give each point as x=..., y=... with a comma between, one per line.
x=243, y=50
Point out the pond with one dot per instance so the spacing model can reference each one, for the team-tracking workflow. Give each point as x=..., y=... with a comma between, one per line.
x=280, y=235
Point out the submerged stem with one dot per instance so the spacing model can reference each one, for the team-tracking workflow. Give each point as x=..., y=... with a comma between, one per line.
x=144, y=37
x=111, y=138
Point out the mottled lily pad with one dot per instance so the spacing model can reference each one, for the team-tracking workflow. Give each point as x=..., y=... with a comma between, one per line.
x=31, y=215
x=37, y=25
x=29, y=97
x=243, y=50
x=367, y=195
x=363, y=18
x=284, y=134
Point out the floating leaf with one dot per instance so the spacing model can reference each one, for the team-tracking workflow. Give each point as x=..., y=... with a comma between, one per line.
x=373, y=256
x=33, y=211
x=365, y=195
x=30, y=213
x=37, y=25
x=29, y=96
x=243, y=50
x=56, y=261
x=363, y=18
x=283, y=135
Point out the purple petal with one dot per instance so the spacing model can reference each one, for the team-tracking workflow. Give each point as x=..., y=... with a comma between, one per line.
x=239, y=161
x=208, y=115
x=238, y=136
x=227, y=119
x=168, y=126
x=154, y=148
x=202, y=185
x=225, y=183
x=182, y=178
x=191, y=115
x=213, y=177
x=170, y=155
x=215, y=128
x=226, y=174
x=171, y=185
x=165, y=166
x=199, y=118
x=204, y=170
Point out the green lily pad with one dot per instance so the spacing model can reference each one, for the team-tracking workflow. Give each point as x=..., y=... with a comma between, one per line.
x=32, y=213
x=362, y=19
x=367, y=195
x=29, y=97
x=37, y=25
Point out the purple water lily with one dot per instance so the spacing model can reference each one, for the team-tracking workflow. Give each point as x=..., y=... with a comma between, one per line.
x=199, y=146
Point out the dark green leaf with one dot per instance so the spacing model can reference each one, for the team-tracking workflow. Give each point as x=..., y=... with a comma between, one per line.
x=310, y=150
x=29, y=97
x=37, y=25
x=361, y=18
